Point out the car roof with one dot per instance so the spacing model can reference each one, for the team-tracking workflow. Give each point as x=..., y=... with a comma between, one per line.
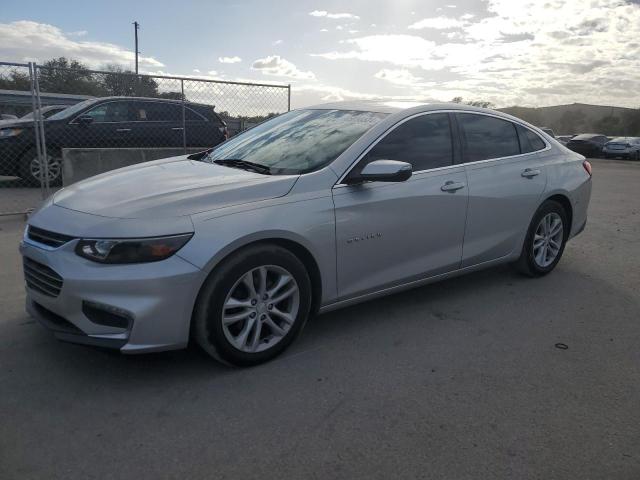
x=583, y=136
x=149, y=99
x=396, y=106
x=622, y=139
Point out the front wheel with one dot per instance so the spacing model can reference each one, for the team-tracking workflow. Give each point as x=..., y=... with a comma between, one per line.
x=545, y=240
x=252, y=306
x=33, y=173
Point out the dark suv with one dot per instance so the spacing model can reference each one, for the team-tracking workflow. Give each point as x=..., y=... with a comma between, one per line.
x=110, y=122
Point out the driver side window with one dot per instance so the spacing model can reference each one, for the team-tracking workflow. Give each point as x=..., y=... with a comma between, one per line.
x=425, y=142
x=110, y=112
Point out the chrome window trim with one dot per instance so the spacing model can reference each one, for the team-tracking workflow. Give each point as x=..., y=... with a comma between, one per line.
x=73, y=121
x=547, y=147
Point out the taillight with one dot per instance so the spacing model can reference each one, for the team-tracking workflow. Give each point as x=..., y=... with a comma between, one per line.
x=587, y=167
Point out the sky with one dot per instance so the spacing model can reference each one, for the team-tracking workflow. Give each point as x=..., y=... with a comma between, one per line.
x=508, y=52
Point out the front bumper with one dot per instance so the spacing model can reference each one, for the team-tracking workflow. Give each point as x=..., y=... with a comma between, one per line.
x=156, y=298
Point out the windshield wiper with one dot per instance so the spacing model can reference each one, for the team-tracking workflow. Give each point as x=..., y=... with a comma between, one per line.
x=244, y=165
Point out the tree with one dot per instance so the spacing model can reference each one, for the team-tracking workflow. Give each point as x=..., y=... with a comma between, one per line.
x=473, y=103
x=61, y=75
x=15, y=80
x=121, y=82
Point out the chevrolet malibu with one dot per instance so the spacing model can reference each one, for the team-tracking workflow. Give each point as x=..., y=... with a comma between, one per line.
x=311, y=211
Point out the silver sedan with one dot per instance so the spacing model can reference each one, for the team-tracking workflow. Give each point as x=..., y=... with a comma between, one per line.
x=311, y=211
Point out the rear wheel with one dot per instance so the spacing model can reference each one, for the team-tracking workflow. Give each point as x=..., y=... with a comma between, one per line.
x=252, y=306
x=545, y=240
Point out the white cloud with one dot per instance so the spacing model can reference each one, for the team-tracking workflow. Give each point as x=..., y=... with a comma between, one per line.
x=26, y=40
x=335, y=16
x=523, y=52
x=278, y=66
x=229, y=59
x=78, y=33
x=400, y=77
x=277, y=42
x=439, y=23
x=196, y=70
x=324, y=30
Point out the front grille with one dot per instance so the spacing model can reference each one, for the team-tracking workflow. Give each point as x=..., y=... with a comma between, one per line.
x=41, y=278
x=46, y=237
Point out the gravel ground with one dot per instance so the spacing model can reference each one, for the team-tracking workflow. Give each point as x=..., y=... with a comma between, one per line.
x=456, y=380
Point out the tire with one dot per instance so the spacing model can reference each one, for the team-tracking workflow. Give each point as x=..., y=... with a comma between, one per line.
x=214, y=324
x=29, y=166
x=534, y=263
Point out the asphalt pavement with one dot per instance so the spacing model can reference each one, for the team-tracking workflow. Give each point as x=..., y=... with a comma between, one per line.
x=457, y=380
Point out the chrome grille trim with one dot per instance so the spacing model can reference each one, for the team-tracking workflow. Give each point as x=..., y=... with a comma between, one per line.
x=46, y=237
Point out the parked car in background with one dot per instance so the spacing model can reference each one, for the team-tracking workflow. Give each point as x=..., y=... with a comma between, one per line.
x=7, y=117
x=623, y=147
x=110, y=122
x=564, y=139
x=313, y=210
x=548, y=131
x=47, y=111
x=588, y=144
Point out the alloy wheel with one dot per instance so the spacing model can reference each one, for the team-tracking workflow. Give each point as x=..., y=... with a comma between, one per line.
x=54, y=169
x=548, y=239
x=260, y=308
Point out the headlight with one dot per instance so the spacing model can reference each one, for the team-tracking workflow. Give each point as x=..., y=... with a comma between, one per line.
x=134, y=250
x=10, y=132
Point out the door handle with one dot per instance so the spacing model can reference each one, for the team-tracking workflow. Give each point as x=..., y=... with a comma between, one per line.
x=177, y=128
x=451, y=186
x=123, y=129
x=530, y=172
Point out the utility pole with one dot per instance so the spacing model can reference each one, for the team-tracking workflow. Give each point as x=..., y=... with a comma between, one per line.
x=136, y=27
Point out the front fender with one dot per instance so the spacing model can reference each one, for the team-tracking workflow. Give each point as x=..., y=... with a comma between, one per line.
x=310, y=223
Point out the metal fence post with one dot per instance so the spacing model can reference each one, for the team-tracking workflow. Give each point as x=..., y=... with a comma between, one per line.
x=44, y=172
x=184, y=123
x=289, y=98
x=36, y=125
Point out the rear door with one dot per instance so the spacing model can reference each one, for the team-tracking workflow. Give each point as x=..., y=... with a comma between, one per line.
x=392, y=233
x=159, y=124
x=506, y=177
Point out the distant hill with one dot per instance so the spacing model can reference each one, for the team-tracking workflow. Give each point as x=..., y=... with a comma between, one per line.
x=582, y=118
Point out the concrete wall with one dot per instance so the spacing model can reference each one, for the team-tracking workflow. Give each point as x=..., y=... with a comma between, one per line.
x=81, y=163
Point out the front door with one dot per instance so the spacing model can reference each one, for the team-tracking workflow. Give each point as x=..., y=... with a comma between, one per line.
x=391, y=233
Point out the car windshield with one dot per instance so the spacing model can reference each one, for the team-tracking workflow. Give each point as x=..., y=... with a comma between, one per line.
x=296, y=142
x=72, y=110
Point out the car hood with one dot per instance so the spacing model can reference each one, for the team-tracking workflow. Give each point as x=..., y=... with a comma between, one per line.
x=16, y=123
x=168, y=188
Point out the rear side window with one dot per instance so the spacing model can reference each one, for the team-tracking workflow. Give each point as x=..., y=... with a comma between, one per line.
x=529, y=141
x=158, y=112
x=487, y=137
x=192, y=116
x=424, y=142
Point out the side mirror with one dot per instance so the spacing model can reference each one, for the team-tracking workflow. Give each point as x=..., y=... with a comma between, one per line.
x=85, y=119
x=383, y=171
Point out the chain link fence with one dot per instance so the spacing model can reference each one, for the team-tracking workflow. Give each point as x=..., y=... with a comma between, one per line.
x=60, y=125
